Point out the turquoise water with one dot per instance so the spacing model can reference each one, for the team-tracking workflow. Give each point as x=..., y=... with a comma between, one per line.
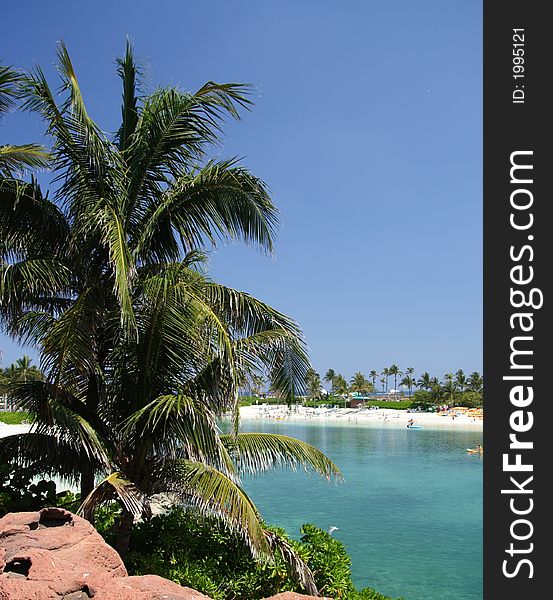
x=409, y=511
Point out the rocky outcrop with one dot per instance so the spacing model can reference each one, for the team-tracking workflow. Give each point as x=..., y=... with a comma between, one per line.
x=55, y=555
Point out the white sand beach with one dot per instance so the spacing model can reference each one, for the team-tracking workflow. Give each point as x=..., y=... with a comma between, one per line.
x=381, y=417
x=6, y=429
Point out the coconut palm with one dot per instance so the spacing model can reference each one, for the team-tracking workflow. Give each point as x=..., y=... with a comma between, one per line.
x=329, y=377
x=408, y=381
x=313, y=383
x=394, y=370
x=424, y=382
x=155, y=430
x=23, y=370
x=140, y=352
x=360, y=384
x=461, y=381
x=147, y=196
x=449, y=388
x=374, y=376
x=475, y=382
x=340, y=384
x=385, y=373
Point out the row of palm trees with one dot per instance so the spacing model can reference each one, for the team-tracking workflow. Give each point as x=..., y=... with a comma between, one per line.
x=451, y=383
x=106, y=276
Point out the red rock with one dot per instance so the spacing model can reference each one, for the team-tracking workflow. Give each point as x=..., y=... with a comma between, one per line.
x=55, y=555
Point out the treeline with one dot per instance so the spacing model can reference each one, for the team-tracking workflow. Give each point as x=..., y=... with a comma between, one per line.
x=20, y=371
x=453, y=388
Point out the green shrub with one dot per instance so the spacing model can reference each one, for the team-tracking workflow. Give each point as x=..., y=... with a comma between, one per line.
x=18, y=492
x=202, y=554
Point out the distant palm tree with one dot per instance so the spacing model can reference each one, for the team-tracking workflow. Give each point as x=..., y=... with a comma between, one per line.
x=382, y=383
x=408, y=381
x=424, y=381
x=449, y=388
x=374, y=376
x=394, y=370
x=22, y=371
x=475, y=382
x=340, y=384
x=461, y=381
x=313, y=383
x=330, y=377
x=386, y=374
x=360, y=384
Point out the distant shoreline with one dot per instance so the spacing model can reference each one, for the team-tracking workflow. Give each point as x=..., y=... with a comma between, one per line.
x=358, y=416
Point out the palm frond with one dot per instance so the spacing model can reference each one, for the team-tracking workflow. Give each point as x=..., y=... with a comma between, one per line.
x=130, y=74
x=257, y=452
x=300, y=568
x=30, y=225
x=219, y=201
x=16, y=160
x=179, y=425
x=216, y=494
x=115, y=487
x=10, y=80
x=173, y=131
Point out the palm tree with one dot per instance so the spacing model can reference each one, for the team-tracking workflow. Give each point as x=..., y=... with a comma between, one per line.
x=475, y=382
x=313, y=383
x=16, y=160
x=436, y=390
x=461, y=381
x=383, y=383
x=140, y=351
x=126, y=204
x=340, y=384
x=386, y=374
x=424, y=382
x=394, y=370
x=374, y=376
x=449, y=388
x=22, y=370
x=157, y=429
x=360, y=384
x=408, y=381
x=330, y=377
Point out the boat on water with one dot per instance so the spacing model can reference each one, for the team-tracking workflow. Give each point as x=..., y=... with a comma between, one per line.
x=477, y=450
x=414, y=426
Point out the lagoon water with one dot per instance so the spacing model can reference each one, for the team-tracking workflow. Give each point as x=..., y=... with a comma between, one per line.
x=409, y=511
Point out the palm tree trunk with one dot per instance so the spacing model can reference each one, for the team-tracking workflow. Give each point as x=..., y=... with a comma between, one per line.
x=124, y=532
x=87, y=479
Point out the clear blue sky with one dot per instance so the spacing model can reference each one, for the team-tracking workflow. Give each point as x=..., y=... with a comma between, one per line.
x=368, y=130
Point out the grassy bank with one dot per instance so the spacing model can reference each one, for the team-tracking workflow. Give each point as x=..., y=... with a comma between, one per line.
x=14, y=418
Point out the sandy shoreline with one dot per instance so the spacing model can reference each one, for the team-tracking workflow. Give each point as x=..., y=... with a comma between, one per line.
x=6, y=429
x=381, y=417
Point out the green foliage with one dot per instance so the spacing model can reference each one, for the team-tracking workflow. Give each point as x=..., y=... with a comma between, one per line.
x=471, y=399
x=19, y=493
x=14, y=418
x=202, y=554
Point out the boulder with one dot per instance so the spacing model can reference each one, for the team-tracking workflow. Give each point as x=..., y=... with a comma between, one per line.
x=56, y=555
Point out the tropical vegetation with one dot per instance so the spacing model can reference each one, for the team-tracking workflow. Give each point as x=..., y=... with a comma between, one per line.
x=141, y=351
x=453, y=389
